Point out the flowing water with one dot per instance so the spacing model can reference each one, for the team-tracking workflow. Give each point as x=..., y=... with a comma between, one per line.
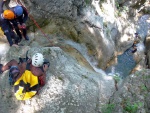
x=124, y=66
x=125, y=61
x=82, y=49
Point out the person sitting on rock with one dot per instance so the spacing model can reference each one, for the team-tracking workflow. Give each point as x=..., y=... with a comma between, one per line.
x=27, y=77
x=5, y=25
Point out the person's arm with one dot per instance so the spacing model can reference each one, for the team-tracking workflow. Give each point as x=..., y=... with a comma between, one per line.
x=22, y=19
x=42, y=78
x=1, y=6
x=28, y=64
x=25, y=14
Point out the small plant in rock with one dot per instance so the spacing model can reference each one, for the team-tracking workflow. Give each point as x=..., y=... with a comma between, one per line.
x=103, y=1
x=84, y=76
x=107, y=32
x=87, y=1
x=120, y=9
x=145, y=77
x=131, y=107
x=108, y=108
x=125, y=8
x=116, y=78
x=60, y=78
x=117, y=5
x=143, y=87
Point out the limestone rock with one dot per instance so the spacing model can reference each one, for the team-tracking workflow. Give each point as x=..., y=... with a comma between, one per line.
x=70, y=87
x=133, y=94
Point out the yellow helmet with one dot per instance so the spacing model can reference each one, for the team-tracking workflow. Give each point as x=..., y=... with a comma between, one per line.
x=8, y=14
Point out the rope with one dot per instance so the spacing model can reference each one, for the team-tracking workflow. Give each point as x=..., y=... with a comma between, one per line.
x=31, y=17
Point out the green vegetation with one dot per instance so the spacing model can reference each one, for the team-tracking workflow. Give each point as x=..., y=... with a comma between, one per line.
x=117, y=5
x=105, y=24
x=144, y=88
x=87, y=1
x=84, y=76
x=103, y=1
x=60, y=78
x=107, y=32
x=136, y=74
x=120, y=9
x=131, y=107
x=116, y=78
x=108, y=108
x=46, y=52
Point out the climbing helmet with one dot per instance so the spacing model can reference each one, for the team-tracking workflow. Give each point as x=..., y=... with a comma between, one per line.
x=8, y=14
x=37, y=60
x=18, y=10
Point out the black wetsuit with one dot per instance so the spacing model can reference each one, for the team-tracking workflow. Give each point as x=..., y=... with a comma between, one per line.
x=6, y=26
x=20, y=20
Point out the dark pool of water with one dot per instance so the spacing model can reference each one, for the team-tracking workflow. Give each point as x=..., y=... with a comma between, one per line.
x=125, y=64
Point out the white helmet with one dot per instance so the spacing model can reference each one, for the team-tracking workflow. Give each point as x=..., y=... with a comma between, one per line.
x=37, y=60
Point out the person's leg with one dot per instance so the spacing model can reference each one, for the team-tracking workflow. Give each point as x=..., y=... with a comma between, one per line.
x=8, y=36
x=15, y=37
x=14, y=25
x=18, y=33
x=7, y=32
x=24, y=30
x=9, y=64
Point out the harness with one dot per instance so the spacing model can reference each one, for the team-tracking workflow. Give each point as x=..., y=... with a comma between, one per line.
x=13, y=74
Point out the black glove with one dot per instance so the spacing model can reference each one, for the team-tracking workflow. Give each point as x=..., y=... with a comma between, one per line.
x=1, y=65
x=46, y=62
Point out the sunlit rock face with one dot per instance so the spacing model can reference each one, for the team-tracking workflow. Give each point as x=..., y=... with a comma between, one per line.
x=72, y=20
x=4, y=49
x=135, y=6
x=69, y=87
x=102, y=30
x=105, y=28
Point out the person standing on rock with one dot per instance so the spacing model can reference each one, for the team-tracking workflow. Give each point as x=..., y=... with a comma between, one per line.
x=5, y=25
x=137, y=38
x=132, y=49
x=27, y=77
x=21, y=16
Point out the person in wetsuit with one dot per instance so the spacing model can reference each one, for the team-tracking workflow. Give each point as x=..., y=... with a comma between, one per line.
x=5, y=16
x=21, y=16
